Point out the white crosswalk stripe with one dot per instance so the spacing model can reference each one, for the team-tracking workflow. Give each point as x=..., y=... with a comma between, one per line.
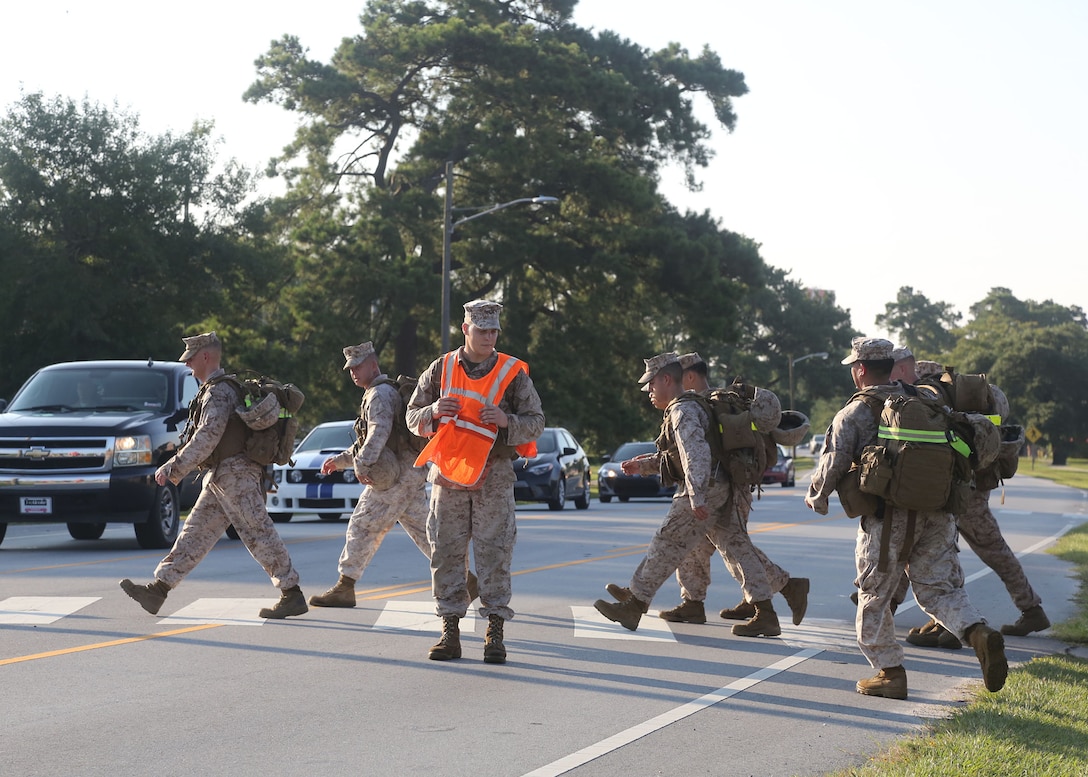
x=229, y=612
x=590, y=624
x=40, y=610
x=417, y=616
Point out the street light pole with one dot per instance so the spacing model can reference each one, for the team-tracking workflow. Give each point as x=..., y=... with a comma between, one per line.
x=820, y=355
x=449, y=225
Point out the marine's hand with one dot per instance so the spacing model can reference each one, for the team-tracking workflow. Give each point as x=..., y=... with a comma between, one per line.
x=446, y=405
x=328, y=466
x=490, y=414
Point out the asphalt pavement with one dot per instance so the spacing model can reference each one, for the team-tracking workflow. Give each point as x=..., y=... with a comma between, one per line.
x=92, y=685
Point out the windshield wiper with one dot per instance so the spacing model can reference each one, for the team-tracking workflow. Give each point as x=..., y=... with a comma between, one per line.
x=46, y=408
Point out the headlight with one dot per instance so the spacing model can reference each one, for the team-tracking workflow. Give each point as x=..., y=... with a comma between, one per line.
x=607, y=473
x=294, y=476
x=540, y=469
x=132, y=451
x=349, y=476
x=277, y=475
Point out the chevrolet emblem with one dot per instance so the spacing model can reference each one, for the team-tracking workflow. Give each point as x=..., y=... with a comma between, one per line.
x=37, y=453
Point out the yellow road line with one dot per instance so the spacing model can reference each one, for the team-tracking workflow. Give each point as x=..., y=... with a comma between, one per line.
x=113, y=643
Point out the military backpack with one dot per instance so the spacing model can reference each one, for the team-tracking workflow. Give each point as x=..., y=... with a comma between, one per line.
x=403, y=438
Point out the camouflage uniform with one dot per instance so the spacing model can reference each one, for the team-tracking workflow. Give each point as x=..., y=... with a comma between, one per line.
x=979, y=527
x=377, y=509
x=486, y=515
x=931, y=561
x=681, y=532
x=232, y=493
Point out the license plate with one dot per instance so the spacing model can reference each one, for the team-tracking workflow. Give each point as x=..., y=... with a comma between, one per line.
x=36, y=505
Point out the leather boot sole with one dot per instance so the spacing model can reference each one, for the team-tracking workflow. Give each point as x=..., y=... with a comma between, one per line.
x=990, y=650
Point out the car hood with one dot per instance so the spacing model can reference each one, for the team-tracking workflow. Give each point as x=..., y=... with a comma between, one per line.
x=610, y=466
x=76, y=423
x=310, y=459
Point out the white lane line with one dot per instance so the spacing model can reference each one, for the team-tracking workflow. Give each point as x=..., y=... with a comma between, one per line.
x=228, y=612
x=41, y=610
x=417, y=616
x=590, y=624
x=605, y=746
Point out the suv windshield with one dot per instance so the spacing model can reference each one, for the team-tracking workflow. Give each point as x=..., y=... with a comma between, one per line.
x=94, y=388
x=329, y=438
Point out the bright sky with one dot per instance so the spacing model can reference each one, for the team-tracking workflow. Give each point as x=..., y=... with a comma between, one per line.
x=933, y=144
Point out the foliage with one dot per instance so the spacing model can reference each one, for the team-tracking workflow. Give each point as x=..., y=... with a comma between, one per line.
x=923, y=326
x=113, y=242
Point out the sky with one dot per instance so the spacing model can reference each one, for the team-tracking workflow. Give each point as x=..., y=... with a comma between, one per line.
x=936, y=144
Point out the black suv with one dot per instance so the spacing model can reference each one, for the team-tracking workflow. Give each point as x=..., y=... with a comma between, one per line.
x=80, y=443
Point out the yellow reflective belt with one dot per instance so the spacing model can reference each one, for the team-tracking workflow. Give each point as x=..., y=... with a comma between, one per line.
x=925, y=436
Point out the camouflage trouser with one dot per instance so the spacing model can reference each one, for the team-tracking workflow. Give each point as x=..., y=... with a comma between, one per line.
x=739, y=554
x=933, y=568
x=979, y=527
x=231, y=494
x=374, y=516
x=486, y=517
x=678, y=534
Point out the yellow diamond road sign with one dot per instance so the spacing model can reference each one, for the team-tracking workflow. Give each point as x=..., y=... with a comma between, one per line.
x=1033, y=433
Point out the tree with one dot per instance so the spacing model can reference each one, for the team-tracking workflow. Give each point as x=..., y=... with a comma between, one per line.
x=113, y=241
x=1037, y=353
x=523, y=102
x=923, y=326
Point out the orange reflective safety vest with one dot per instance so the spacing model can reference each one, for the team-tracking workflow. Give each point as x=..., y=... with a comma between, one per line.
x=461, y=446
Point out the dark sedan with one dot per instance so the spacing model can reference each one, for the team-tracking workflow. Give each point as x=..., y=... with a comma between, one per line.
x=560, y=470
x=612, y=482
x=781, y=471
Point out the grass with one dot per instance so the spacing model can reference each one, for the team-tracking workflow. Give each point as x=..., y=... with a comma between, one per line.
x=1038, y=724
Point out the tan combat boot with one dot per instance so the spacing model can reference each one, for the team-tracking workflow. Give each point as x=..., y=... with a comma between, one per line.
x=291, y=602
x=796, y=594
x=1031, y=619
x=933, y=634
x=618, y=592
x=626, y=613
x=494, y=650
x=150, y=596
x=340, y=595
x=763, y=624
x=449, y=646
x=690, y=611
x=989, y=647
x=741, y=612
x=891, y=683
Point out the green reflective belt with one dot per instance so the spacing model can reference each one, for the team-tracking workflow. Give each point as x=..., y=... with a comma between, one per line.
x=922, y=435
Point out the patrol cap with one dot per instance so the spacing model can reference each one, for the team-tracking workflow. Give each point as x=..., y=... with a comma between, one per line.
x=863, y=349
x=197, y=343
x=357, y=354
x=901, y=353
x=483, y=313
x=690, y=359
x=925, y=368
x=654, y=365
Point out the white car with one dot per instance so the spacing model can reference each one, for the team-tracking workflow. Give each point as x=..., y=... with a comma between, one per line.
x=303, y=489
x=816, y=444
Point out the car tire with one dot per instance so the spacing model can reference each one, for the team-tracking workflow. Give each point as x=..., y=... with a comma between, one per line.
x=581, y=502
x=280, y=517
x=605, y=499
x=624, y=498
x=329, y=516
x=163, y=520
x=86, y=531
x=231, y=532
x=560, y=499
x=3, y=531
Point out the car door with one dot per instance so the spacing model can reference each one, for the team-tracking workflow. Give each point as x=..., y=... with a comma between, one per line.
x=570, y=462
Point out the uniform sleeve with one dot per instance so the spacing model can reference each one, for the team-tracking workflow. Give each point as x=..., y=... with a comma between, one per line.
x=217, y=405
x=525, y=416
x=380, y=406
x=346, y=459
x=852, y=429
x=689, y=422
x=420, y=413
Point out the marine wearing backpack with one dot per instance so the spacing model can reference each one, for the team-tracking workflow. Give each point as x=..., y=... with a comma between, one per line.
x=406, y=439
x=264, y=425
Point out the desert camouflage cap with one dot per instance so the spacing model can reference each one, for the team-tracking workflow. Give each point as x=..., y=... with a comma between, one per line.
x=357, y=354
x=901, y=353
x=925, y=368
x=690, y=359
x=654, y=364
x=863, y=349
x=483, y=313
x=197, y=343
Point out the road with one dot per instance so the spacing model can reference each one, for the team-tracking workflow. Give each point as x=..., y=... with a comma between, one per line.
x=92, y=685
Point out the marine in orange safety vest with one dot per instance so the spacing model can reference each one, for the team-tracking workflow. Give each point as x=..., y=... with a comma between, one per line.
x=480, y=409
